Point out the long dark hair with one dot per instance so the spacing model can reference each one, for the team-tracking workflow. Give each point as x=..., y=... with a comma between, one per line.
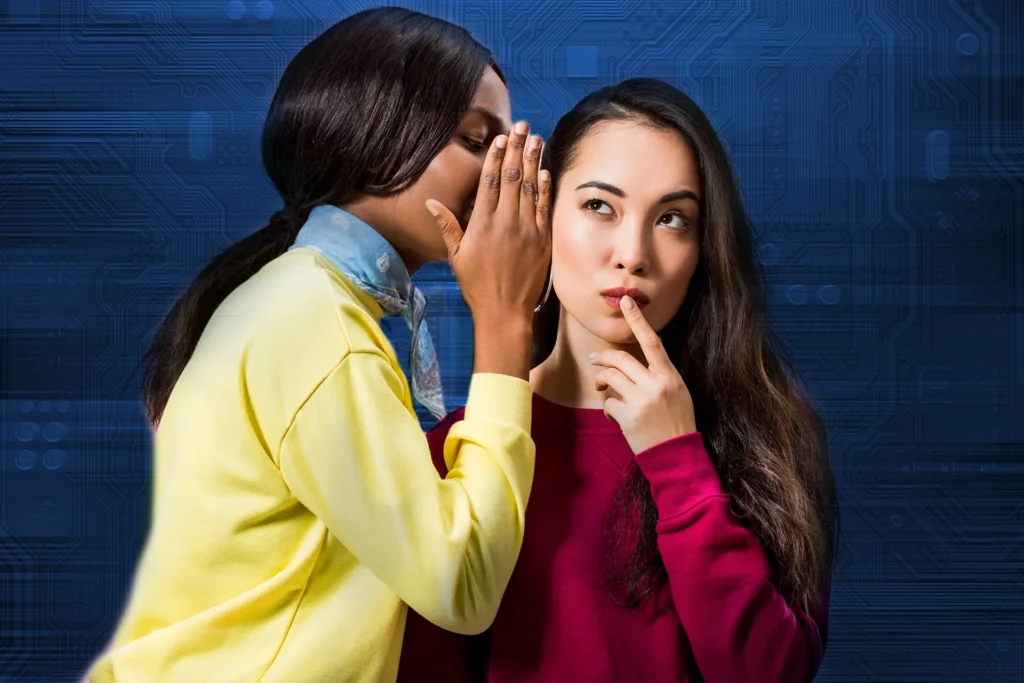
x=765, y=439
x=362, y=109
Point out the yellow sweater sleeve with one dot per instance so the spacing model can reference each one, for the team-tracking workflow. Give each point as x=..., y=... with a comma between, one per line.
x=357, y=458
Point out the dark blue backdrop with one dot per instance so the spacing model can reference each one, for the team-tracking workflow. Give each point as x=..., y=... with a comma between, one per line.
x=880, y=146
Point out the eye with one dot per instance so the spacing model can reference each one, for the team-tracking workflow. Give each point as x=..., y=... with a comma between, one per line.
x=675, y=220
x=472, y=144
x=595, y=206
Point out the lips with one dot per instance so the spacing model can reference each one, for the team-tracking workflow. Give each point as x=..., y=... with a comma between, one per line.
x=613, y=296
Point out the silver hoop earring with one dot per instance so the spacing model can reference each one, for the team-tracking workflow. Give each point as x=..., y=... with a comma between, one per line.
x=547, y=293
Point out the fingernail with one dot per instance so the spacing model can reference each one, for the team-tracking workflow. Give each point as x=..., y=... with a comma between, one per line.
x=534, y=143
x=521, y=128
x=627, y=303
x=500, y=142
x=431, y=209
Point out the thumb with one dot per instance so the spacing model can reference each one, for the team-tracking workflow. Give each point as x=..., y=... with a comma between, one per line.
x=451, y=231
x=615, y=410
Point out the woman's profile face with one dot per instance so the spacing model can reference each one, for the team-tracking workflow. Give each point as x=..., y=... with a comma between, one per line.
x=453, y=176
x=627, y=215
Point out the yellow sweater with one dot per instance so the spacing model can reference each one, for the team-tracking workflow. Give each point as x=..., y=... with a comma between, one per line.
x=296, y=510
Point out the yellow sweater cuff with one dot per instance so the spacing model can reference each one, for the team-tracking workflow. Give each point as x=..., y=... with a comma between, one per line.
x=500, y=398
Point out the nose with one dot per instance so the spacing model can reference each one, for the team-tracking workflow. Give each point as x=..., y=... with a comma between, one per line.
x=632, y=248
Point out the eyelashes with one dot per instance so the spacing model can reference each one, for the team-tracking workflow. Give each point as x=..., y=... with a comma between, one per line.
x=684, y=222
x=472, y=145
x=594, y=205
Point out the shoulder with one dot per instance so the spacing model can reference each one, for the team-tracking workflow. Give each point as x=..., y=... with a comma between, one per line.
x=298, y=302
x=280, y=334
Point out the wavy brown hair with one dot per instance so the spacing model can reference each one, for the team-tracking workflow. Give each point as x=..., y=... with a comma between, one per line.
x=764, y=438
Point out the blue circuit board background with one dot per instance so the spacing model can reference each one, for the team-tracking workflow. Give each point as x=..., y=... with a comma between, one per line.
x=880, y=147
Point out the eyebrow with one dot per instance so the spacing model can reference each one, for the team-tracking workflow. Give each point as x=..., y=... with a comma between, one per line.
x=670, y=197
x=492, y=118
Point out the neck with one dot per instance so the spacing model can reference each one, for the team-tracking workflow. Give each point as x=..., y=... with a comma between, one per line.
x=567, y=377
x=380, y=216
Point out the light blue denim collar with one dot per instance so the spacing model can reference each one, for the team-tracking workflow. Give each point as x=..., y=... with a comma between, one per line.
x=372, y=264
x=361, y=253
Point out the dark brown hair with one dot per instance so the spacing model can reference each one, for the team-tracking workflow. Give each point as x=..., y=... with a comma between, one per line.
x=765, y=440
x=362, y=109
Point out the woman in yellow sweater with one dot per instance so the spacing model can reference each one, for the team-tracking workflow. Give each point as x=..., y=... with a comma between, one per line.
x=296, y=510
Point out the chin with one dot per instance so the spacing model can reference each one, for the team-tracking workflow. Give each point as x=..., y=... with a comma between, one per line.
x=615, y=332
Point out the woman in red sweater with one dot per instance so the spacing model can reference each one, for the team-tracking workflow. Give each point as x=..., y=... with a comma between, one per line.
x=682, y=520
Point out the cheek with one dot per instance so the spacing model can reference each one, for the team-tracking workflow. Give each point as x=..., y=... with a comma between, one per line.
x=574, y=257
x=678, y=271
x=685, y=266
x=455, y=173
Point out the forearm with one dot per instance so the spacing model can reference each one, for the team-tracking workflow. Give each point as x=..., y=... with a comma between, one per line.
x=355, y=456
x=740, y=625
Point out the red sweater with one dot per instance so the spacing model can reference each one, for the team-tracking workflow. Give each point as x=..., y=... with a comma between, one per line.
x=719, y=618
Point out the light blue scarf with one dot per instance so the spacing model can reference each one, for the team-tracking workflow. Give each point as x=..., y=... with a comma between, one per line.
x=372, y=264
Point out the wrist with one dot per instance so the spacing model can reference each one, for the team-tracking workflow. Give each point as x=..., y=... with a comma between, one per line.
x=512, y=322
x=503, y=345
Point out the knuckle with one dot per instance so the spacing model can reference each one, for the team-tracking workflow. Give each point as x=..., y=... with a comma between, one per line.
x=529, y=188
x=513, y=174
x=543, y=209
x=491, y=181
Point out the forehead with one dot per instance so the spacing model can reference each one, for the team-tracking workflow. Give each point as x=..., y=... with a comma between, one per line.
x=492, y=96
x=636, y=157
